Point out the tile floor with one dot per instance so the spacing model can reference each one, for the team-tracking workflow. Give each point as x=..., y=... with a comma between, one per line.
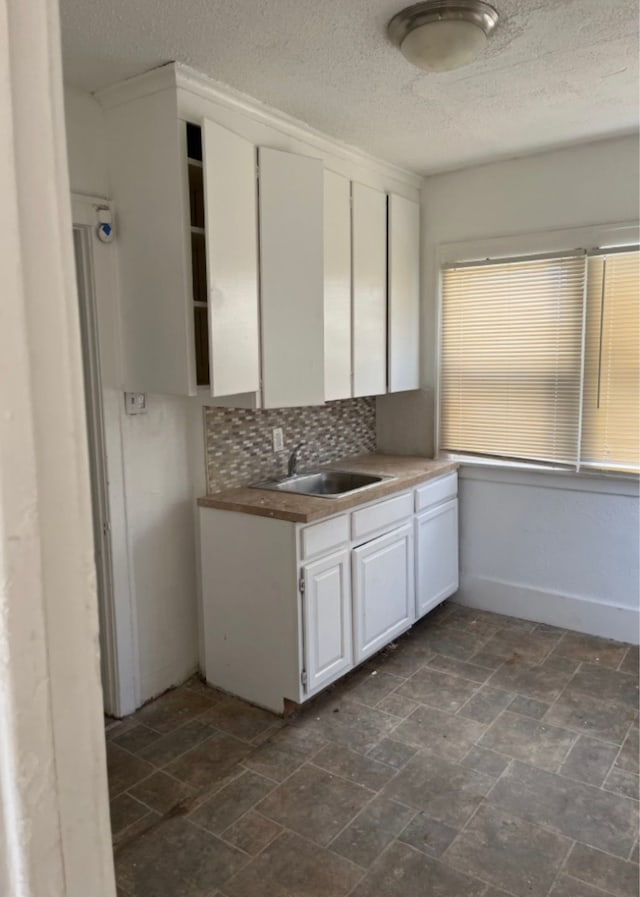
x=481, y=756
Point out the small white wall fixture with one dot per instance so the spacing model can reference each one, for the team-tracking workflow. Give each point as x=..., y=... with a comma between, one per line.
x=54, y=818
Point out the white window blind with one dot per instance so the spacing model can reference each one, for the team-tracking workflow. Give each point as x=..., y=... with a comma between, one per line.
x=611, y=404
x=511, y=358
x=540, y=359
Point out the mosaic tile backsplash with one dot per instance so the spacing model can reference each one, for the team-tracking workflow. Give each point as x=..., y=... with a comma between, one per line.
x=239, y=441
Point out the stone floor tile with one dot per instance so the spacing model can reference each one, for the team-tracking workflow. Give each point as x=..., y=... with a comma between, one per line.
x=166, y=748
x=396, y=705
x=522, y=738
x=531, y=680
x=315, y=804
x=162, y=792
x=561, y=664
x=590, y=649
x=501, y=848
x=402, y=871
x=428, y=686
x=370, y=686
x=297, y=739
x=207, y=763
x=135, y=830
x=473, y=621
x=364, y=839
x=607, y=685
x=573, y=809
x=199, y=684
x=125, y=810
x=502, y=621
x=274, y=761
x=428, y=835
x=457, y=643
x=176, y=858
x=393, y=753
x=291, y=865
x=531, y=646
x=634, y=856
x=486, y=704
x=443, y=790
x=565, y=886
x=252, y=832
x=136, y=738
x=227, y=805
x=124, y=769
x=589, y=761
x=401, y=658
x=351, y=724
x=358, y=768
x=113, y=728
x=628, y=757
x=528, y=707
x=450, y=736
x=486, y=659
x=237, y=718
x=622, y=782
x=486, y=761
x=591, y=716
x=462, y=668
x=601, y=870
x=630, y=662
x=173, y=709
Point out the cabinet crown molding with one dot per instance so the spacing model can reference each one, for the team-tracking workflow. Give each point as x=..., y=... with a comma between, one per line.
x=176, y=75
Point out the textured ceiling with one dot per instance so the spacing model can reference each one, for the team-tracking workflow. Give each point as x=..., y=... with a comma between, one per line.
x=555, y=72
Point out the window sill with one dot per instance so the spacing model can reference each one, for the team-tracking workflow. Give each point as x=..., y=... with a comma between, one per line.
x=523, y=474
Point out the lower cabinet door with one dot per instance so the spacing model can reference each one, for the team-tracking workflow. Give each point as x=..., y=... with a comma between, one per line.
x=437, y=574
x=328, y=637
x=383, y=590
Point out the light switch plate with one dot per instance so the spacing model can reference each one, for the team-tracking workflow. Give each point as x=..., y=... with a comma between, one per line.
x=135, y=402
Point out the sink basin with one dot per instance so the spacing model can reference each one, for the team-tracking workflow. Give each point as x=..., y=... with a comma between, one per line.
x=323, y=483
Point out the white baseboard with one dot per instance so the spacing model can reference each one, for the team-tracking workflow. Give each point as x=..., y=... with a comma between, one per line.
x=553, y=608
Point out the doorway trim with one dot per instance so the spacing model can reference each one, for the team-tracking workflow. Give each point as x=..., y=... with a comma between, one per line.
x=102, y=351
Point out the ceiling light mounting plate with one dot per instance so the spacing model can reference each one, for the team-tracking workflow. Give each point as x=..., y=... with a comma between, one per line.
x=476, y=12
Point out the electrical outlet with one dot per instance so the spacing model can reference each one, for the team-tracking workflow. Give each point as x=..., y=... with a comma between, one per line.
x=278, y=439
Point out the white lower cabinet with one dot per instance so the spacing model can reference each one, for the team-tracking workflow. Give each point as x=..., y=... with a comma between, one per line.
x=327, y=630
x=436, y=555
x=288, y=608
x=383, y=594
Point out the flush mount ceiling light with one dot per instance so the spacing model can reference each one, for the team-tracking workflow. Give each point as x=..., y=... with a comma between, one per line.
x=440, y=35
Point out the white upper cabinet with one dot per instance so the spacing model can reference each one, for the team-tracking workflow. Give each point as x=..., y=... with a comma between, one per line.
x=369, y=241
x=337, y=286
x=147, y=153
x=230, y=193
x=291, y=279
x=404, y=293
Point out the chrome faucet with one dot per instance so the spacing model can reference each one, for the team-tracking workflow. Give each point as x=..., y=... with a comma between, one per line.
x=292, y=466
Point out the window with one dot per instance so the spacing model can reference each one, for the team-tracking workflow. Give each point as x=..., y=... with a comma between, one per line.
x=540, y=360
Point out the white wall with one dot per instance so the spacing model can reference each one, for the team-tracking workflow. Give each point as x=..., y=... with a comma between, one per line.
x=532, y=545
x=161, y=474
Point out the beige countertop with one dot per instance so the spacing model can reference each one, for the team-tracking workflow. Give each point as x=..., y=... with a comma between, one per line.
x=406, y=472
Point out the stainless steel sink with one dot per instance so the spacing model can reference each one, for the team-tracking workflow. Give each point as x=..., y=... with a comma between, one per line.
x=323, y=483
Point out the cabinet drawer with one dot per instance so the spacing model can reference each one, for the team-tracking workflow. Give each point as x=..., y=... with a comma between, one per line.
x=381, y=515
x=320, y=538
x=437, y=490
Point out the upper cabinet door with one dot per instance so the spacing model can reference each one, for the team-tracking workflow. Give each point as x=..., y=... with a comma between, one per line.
x=232, y=261
x=337, y=286
x=369, y=217
x=404, y=294
x=146, y=146
x=291, y=278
